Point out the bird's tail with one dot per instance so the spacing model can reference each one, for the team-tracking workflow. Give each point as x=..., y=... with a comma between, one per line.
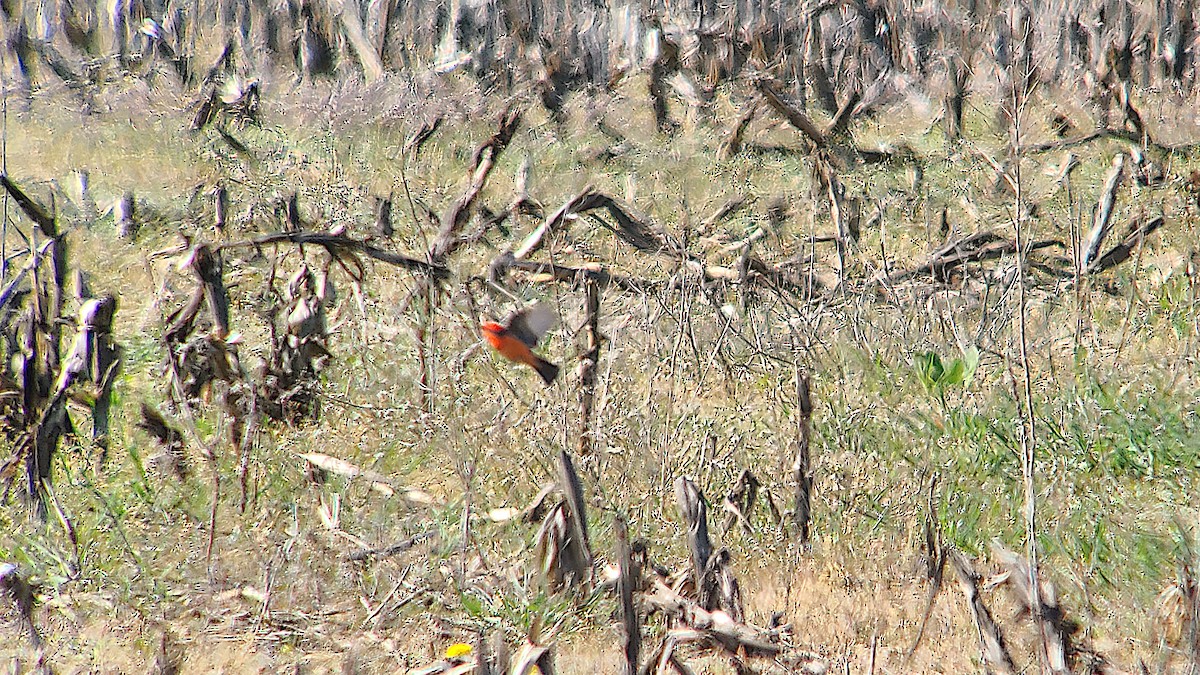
x=547, y=370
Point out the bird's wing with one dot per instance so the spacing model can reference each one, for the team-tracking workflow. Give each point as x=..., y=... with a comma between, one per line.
x=530, y=325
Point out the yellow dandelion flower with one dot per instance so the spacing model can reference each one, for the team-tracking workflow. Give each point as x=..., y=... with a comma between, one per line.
x=457, y=650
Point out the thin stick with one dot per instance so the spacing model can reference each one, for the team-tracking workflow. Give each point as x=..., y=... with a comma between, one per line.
x=1028, y=439
x=587, y=377
x=802, y=466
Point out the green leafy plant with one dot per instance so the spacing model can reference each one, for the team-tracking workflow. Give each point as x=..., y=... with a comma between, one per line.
x=937, y=376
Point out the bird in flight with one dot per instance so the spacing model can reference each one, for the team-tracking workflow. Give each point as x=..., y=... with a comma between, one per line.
x=520, y=333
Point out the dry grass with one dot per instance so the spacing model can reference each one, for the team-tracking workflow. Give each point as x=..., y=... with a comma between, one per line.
x=680, y=393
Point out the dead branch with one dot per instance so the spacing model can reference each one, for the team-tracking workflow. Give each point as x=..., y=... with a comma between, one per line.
x=995, y=651
x=739, y=503
x=343, y=468
x=977, y=247
x=499, y=267
x=587, y=366
x=484, y=160
x=730, y=207
x=694, y=513
x=846, y=229
x=1103, y=134
x=1138, y=230
x=36, y=212
x=717, y=626
x=631, y=227
x=387, y=551
x=339, y=246
x=1052, y=627
x=802, y=466
x=791, y=113
x=423, y=133
x=841, y=120
x=627, y=583
x=1102, y=223
x=733, y=142
x=577, y=516
x=536, y=509
x=665, y=656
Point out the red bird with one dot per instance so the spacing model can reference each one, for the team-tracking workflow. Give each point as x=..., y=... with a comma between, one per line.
x=520, y=333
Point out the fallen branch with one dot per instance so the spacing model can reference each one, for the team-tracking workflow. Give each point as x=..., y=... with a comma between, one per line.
x=338, y=246
x=995, y=651
x=1138, y=231
x=732, y=635
x=632, y=228
x=343, y=468
x=501, y=265
x=398, y=547
x=977, y=247
x=1051, y=626
x=730, y=207
x=423, y=133
x=791, y=113
x=36, y=212
x=484, y=160
x=1104, y=210
x=733, y=143
x=1132, y=136
x=845, y=113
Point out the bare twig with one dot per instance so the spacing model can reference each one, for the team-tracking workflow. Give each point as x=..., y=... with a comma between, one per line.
x=802, y=465
x=587, y=368
x=386, y=551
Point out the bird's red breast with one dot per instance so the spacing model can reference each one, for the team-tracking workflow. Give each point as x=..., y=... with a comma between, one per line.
x=519, y=334
x=509, y=347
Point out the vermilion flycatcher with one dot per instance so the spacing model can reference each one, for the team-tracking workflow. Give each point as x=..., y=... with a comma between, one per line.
x=520, y=333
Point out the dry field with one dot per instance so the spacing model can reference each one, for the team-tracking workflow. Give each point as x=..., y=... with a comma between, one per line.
x=379, y=506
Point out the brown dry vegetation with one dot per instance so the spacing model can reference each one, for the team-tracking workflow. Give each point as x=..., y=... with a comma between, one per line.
x=697, y=368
